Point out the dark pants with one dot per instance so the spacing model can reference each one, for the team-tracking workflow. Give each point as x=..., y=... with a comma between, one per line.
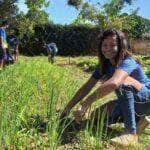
x=51, y=57
x=130, y=105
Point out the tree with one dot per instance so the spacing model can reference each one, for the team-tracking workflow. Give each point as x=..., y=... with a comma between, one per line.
x=36, y=15
x=75, y=3
x=107, y=15
x=8, y=9
x=90, y=14
x=23, y=24
x=137, y=26
x=36, y=11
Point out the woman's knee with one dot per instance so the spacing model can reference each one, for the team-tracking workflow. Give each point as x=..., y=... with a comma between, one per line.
x=124, y=88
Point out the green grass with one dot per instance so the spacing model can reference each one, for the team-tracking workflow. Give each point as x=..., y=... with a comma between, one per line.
x=34, y=92
x=29, y=88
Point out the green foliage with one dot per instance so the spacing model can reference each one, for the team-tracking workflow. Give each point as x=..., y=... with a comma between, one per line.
x=71, y=40
x=35, y=5
x=28, y=96
x=34, y=92
x=38, y=17
x=135, y=25
x=25, y=23
x=75, y=3
x=109, y=15
x=90, y=14
x=87, y=65
x=146, y=64
x=114, y=7
x=36, y=13
x=8, y=9
x=102, y=15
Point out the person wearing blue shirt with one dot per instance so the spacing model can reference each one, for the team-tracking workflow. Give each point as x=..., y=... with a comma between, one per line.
x=13, y=45
x=3, y=43
x=118, y=71
x=51, y=51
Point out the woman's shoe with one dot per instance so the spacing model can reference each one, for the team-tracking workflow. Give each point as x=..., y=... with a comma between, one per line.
x=142, y=124
x=125, y=140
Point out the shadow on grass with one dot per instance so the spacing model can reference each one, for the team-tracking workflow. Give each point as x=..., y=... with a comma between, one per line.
x=72, y=128
x=68, y=129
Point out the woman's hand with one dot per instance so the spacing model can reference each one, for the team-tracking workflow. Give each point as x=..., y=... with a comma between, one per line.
x=79, y=113
x=65, y=113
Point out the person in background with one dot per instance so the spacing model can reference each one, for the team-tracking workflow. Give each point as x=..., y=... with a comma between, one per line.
x=52, y=50
x=13, y=45
x=118, y=71
x=3, y=43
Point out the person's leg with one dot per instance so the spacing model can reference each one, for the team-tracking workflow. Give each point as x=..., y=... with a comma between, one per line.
x=17, y=53
x=126, y=95
x=1, y=63
x=1, y=58
x=49, y=58
x=133, y=103
x=15, y=59
x=142, y=124
x=142, y=108
x=52, y=58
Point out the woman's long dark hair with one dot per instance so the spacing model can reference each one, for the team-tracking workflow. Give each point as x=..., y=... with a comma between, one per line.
x=123, y=49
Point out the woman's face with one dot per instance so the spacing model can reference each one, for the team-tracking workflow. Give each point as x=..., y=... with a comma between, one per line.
x=110, y=47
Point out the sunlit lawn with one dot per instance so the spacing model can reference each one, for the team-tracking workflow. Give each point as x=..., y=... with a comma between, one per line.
x=32, y=95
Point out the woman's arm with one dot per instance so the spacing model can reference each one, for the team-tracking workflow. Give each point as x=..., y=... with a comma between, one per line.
x=80, y=94
x=107, y=87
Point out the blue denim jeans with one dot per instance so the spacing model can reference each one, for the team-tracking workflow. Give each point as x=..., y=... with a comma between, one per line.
x=130, y=105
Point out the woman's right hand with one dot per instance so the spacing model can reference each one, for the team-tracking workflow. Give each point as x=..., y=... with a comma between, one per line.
x=65, y=113
x=79, y=113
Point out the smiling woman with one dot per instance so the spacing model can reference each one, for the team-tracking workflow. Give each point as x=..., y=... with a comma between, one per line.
x=109, y=47
x=119, y=72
